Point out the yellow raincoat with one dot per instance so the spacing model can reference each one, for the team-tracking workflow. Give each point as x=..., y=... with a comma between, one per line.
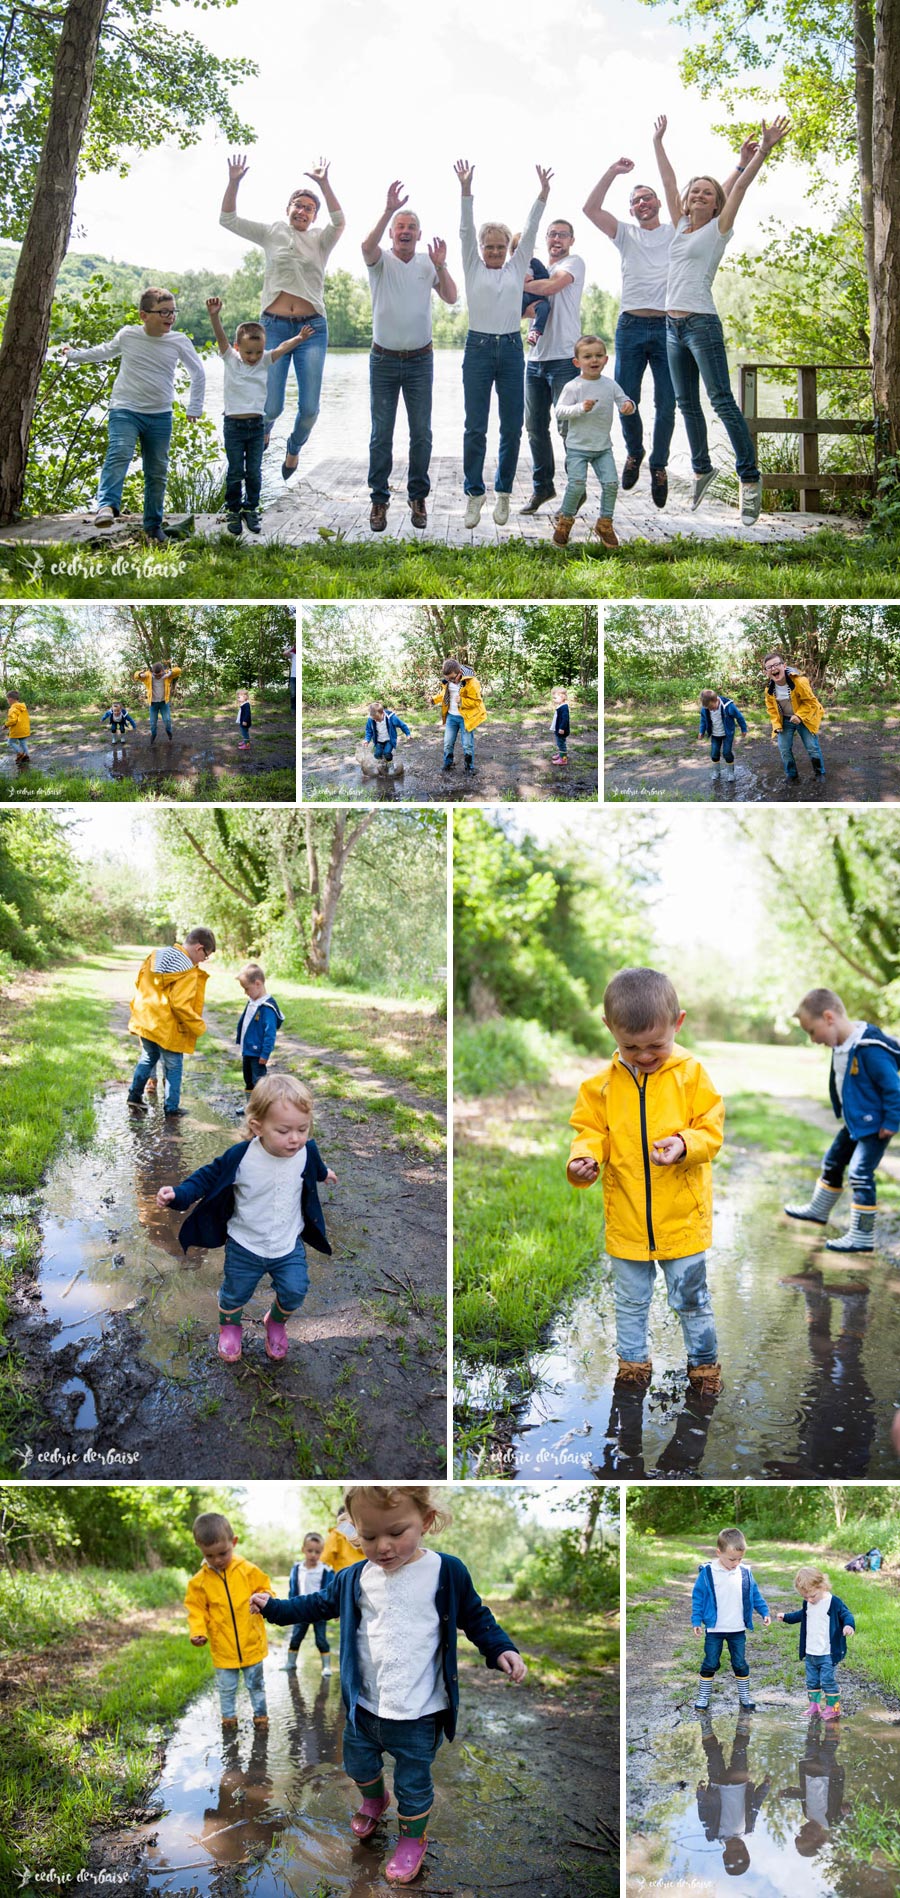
x=146, y=677
x=17, y=720
x=168, y=1009
x=471, y=704
x=652, y=1212
x=338, y=1552
x=804, y=703
x=219, y=1607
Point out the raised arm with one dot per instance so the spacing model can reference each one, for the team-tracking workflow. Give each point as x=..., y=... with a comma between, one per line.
x=748, y=150
x=593, y=204
x=769, y=137
x=446, y=287
x=664, y=166
x=395, y=200
x=468, y=241
x=237, y=169
x=214, y=306
x=319, y=176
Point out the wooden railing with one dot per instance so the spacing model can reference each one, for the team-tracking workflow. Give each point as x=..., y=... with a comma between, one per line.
x=809, y=425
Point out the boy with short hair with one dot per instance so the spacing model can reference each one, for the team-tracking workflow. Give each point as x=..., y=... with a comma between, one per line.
x=218, y=1605
x=587, y=405
x=117, y=717
x=462, y=711
x=259, y=1023
x=157, y=681
x=718, y=718
x=825, y=1622
x=382, y=727
x=559, y=724
x=244, y=718
x=651, y=1122
x=864, y=1086
x=795, y=712
x=245, y=381
x=18, y=727
x=140, y=405
x=724, y=1598
x=306, y=1578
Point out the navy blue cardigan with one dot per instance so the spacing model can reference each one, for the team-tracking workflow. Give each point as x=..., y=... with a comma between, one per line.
x=213, y=1186
x=871, y=1092
x=457, y=1604
x=561, y=721
x=839, y=1618
x=730, y=717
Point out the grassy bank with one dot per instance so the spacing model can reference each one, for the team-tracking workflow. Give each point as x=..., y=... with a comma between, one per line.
x=263, y=787
x=404, y=1041
x=560, y=1646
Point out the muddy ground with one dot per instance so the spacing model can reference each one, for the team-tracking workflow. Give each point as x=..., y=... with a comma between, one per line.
x=512, y=762
x=63, y=743
x=804, y=1779
x=526, y=1797
x=646, y=758
x=118, y=1328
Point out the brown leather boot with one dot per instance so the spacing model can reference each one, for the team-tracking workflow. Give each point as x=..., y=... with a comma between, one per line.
x=562, y=530
x=378, y=517
x=634, y=1372
x=706, y=1379
x=606, y=531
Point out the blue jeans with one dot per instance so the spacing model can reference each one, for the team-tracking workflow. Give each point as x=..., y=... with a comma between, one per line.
x=244, y=436
x=412, y=1745
x=160, y=709
x=389, y=378
x=293, y=691
x=172, y=1065
x=820, y=1673
x=243, y=1271
x=578, y=461
x=640, y=345
x=696, y=348
x=544, y=383
x=228, y=1681
x=810, y=741
x=715, y=747
x=561, y=742
x=385, y=750
x=318, y=1628
x=492, y=362
x=712, y=1654
x=862, y=1157
x=309, y=367
x=455, y=727
x=127, y=427
x=253, y=1070
x=18, y=745
x=688, y=1295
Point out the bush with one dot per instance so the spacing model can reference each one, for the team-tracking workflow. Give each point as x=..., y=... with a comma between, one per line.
x=560, y=1572
x=492, y=1056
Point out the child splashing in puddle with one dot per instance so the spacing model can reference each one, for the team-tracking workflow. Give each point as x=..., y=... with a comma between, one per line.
x=400, y=1608
x=260, y=1200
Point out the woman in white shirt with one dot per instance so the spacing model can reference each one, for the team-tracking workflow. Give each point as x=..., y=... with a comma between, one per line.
x=494, y=357
x=293, y=294
x=703, y=217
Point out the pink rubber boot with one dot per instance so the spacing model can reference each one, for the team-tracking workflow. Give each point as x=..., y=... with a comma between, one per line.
x=366, y=1819
x=813, y=1707
x=230, y=1339
x=276, y=1337
x=406, y=1861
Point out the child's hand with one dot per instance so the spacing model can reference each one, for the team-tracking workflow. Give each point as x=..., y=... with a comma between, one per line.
x=627, y=408
x=767, y=1621
x=667, y=1152
x=584, y=1169
x=591, y=403
x=198, y=1640
x=214, y=305
x=697, y=1632
x=258, y=1601
x=849, y=1630
x=306, y=332
x=512, y=1664
x=331, y=1179
x=165, y=1196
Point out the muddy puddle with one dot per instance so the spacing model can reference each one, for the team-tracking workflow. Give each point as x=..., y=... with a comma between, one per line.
x=510, y=762
x=809, y=1354
x=196, y=748
x=861, y=765
x=762, y=1802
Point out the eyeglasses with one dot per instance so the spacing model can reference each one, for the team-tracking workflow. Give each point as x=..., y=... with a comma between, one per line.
x=162, y=309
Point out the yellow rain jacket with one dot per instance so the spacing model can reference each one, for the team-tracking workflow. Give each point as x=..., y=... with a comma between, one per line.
x=18, y=721
x=471, y=704
x=168, y=1008
x=146, y=677
x=219, y=1607
x=338, y=1552
x=804, y=703
x=652, y=1212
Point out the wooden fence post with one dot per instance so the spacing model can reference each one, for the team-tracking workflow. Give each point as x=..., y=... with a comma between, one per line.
x=808, y=406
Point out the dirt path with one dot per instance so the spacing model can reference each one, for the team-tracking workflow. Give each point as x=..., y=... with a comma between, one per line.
x=644, y=759
x=512, y=762
x=74, y=742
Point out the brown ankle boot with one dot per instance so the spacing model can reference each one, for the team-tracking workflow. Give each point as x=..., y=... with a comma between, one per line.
x=562, y=530
x=634, y=1372
x=705, y=1379
x=606, y=531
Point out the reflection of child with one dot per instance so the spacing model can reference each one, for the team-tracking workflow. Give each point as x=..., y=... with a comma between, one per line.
x=462, y=711
x=218, y=1605
x=724, y=1598
x=718, y=718
x=400, y=1610
x=244, y=719
x=864, y=1085
x=18, y=727
x=825, y=1622
x=246, y=374
x=559, y=724
x=258, y=1025
x=587, y=405
x=382, y=727
x=821, y=1789
x=306, y=1578
x=651, y=1122
x=260, y=1200
x=728, y=1806
x=117, y=718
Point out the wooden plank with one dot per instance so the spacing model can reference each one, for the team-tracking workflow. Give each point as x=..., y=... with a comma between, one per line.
x=797, y=425
x=807, y=404
x=848, y=483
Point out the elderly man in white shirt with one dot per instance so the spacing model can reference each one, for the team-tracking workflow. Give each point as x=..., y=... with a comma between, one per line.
x=402, y=280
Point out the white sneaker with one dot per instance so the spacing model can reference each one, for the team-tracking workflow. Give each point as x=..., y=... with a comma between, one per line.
x=701, y=483
x=104, y=516
x=326, y=1667
x=751, y=501
x=474, y=505
x=501, y=510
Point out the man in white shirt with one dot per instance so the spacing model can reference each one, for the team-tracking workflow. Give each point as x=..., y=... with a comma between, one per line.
x=402, y=281
x=549, y=365
x=643, y=246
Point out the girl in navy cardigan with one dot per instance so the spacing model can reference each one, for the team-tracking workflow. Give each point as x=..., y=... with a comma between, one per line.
x=400, y=1607
x=825, y=1622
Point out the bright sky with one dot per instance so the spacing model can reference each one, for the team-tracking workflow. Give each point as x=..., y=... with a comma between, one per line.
x=384, y=92
x=130, y=834
x=275, y=1504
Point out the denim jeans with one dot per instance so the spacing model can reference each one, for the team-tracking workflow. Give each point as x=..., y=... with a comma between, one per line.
x=561, y=742
x=321, y=1638
x=640, y=345
x=309, y=367
x=253, y=1070
x=809, y=740
x=160, y=709
x=688, y=1295
x=244, y=436
x=455, y=727
x=715, y=747
x=127, y=427
x=172, y=1065
x=696, y=348
x=492, y=362
x=228, y=1681
x=412, y=1745
x=18, y=745
x=544, y=383
x=578, y=461
x=712, y=1654
x=385, y=750
x=389, y=378
x=820, y=1673
x=243, y=1271
x=862, y=1157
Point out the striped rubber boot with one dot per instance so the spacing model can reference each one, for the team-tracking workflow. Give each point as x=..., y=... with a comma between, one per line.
x=861, y=1234
x=819, y=1209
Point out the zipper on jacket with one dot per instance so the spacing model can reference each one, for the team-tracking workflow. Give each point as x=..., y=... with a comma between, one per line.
x=233, y=1619
x=645, y=1150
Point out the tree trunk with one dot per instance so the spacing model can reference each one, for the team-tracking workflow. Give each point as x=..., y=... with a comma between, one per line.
x=591, y=1522
x=864, y=85
x=886, y=174
x=27, y=329
x=324, y=913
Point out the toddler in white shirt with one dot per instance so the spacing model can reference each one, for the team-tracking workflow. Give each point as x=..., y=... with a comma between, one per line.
x=825, y=1622
x=246, y=377
x=587, y=405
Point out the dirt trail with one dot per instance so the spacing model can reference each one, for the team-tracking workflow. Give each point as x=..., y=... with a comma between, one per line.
x=644, y=760
x=512, y=763
x=63, y=743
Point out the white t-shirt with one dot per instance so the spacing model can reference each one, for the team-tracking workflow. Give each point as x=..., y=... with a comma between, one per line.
x=729, y=1587
x=694, y=258
x=453, y=691
x=401, y=300
x=382, y=733
x=564, y=322
x=732, y=1809
x=267, y=1197
x=494, y=297
x=818, y=1638
x=244, y=383
x=717, y=720
x=589, y=429
x=399, y=1640
x=309, y=1580
x=146, y=378
x=645, y=265
x=840, y=1056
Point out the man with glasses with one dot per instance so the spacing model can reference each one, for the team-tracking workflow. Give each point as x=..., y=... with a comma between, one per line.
x=795, y=712
x=167, y=1015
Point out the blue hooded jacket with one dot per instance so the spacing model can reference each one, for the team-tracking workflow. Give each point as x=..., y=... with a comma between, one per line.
x=392, y=720
x=839, y=1618
x=703, y=1600
x=730, y=717
x=213, y=1186
x=263, y=1029
x=294, y=1579
x=871, y=1095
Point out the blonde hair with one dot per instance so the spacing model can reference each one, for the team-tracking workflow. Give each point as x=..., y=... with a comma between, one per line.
x=709, y=697
x=274, y=1088
x=251, y=972
x=492, y=225
x=377, y=705
x=388, y=1495
x=730, y=1539
x=703, y=177
x=559, y=692
x=816, y=1001
x=809, y=1577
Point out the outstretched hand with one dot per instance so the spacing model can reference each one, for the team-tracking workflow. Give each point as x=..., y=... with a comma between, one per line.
x=396, y=197
x=660, y=127
x=214, y=305
x=770, y=134
x=545, y=175
x=238, y=166
x=319, y=173
x=465, y=173
x=437, y=251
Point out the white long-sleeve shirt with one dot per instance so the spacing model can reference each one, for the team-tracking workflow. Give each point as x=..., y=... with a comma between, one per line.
x=146, y=378
x=295, y=260
x=494, y=297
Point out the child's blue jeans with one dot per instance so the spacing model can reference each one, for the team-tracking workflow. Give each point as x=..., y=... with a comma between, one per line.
x=810, y=741
x=318, y=1628
x=862, y=1157
x=561, y=742
x=715, y=749
x=412, y=1745
x=578, y=461
x=385, y=750
x=688, y=1295
x=127, y=427
x=455, y=727
x=820, y=1673
x=19, y=745
x=172, y=1064
x=160, y=709
x=253, y=1071
x=228, y=1681
x=243, y=1271
x=712, y=1654
x=243, y=436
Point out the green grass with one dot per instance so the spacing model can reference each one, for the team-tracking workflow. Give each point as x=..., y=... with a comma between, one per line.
x=504, y=1053
x=870, y=1830
x=263, y=787
x=751, y=1121
x=38, y=1608
x=402, y=1043
x=559, y=1646
x=53, y=1055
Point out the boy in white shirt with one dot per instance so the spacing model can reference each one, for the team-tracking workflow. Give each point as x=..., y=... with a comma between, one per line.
x=306, y=1578
x=587, y=405
x=725, y=1596
x=825, y=1622
x=246, y=377
x=140, y=406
